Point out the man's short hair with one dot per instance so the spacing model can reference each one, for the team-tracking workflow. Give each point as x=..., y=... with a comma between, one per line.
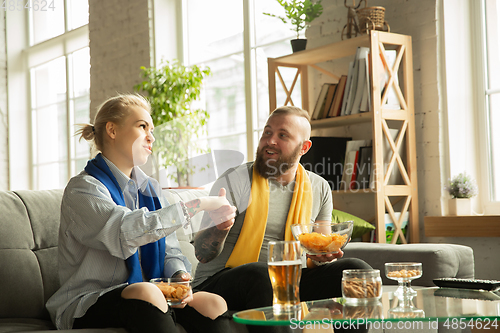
x=284, y=110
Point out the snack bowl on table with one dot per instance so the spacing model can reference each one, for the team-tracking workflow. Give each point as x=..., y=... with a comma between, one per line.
x=403, y=273
x=361, y=286
x=175, y=290
x=322, y=237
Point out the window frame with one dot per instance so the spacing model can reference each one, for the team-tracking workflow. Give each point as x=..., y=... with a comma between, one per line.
x=250, y=70
x=22, y=58
x=480, y=67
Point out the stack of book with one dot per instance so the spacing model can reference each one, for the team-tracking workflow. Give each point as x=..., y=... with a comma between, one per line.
x=352, y=94
x=330, y=99
x=358, y=164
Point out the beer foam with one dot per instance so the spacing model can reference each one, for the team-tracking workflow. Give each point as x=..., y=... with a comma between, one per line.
x=285, y=263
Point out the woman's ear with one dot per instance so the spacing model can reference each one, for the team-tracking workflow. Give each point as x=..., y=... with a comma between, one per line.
x=111, y=129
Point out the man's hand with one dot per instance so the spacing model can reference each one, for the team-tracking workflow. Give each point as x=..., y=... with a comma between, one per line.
x=325, y=257
x=212, y=203
x=223, y=217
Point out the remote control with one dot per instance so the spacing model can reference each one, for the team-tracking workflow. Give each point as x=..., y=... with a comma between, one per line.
x=467, y=283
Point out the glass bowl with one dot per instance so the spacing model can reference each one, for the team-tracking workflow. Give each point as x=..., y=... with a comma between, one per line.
x=175, y=290
x=322, y=237
x=360, y=286
x=404, y=273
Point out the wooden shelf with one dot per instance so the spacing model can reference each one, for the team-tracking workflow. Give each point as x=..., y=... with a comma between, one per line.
x=360, y=191
x=462, y=226
x=324, y=53
x=342, y=121
x=380, y=118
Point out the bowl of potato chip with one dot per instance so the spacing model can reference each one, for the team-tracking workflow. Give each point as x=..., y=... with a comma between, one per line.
x=322, y=237
x=175, y=290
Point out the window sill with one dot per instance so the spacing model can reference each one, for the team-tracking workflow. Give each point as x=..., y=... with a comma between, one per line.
x=462, y=226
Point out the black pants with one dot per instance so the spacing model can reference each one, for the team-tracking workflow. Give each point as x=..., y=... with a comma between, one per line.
x=248, y=286
x=136, y=316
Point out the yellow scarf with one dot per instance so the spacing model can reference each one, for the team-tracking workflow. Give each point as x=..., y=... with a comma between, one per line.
x=249, y=243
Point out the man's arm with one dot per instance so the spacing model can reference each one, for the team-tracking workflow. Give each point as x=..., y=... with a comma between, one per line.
x=215, y=226
x=208, y=243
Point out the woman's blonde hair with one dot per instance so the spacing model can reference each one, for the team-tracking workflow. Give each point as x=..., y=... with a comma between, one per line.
x=114, y=110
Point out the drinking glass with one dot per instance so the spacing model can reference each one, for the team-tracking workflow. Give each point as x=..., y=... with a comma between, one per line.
x=285, y=269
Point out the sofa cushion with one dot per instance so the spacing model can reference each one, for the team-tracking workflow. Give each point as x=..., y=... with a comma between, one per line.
x=25, y=325
x=438, y=260
x=360, y=226
x=28, y=252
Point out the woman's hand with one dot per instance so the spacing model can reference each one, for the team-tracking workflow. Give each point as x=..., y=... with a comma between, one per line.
x=186, y=277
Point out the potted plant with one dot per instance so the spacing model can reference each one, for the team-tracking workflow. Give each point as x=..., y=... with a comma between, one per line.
x=300, y=14
x=171, y=89
x=461, y=189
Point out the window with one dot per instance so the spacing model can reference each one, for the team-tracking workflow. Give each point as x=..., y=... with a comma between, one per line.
x=235, y=39
x=491, y=43
x=60, y=83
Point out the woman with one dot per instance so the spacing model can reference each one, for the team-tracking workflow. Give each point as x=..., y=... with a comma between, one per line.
x=114, y=235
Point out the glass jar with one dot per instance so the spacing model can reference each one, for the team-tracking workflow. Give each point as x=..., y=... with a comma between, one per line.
x=361, y=285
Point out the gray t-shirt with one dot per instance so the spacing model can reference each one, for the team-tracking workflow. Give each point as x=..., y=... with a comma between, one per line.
x=237, y=183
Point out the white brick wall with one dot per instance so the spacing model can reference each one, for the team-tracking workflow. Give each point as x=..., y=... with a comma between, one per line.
x=419, y=19
x=4, y=166
x=416, y=18
x=119, y=32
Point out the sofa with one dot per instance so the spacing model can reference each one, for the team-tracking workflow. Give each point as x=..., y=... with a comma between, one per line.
x=29, y=222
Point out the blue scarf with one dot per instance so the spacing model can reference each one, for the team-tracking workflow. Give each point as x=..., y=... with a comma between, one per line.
x=153, y=254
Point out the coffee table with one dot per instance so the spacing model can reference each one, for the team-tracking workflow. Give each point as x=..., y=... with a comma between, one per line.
x=453, y=309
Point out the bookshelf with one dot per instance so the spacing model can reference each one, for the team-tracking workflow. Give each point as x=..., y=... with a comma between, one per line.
x=389, y=198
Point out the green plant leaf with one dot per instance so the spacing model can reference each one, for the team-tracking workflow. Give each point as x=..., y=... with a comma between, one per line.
x=299, y=13
x=171, y=89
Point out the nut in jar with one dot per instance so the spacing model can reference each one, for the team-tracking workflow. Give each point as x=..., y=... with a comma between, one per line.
x=361, y=285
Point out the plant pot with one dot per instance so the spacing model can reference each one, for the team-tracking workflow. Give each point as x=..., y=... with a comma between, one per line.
x=460, y=206
x=298, y=44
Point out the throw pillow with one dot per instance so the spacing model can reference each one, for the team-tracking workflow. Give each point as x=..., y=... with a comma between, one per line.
x=360, y=227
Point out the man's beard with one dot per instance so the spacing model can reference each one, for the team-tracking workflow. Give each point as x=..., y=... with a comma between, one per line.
x=275, y=168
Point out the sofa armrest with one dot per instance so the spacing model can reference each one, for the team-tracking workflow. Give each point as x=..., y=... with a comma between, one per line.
x=438, y=260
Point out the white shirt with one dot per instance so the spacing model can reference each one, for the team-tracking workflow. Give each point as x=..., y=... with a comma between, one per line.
x=96, y=236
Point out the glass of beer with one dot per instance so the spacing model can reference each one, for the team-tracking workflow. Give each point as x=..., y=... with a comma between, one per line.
x=285, y=268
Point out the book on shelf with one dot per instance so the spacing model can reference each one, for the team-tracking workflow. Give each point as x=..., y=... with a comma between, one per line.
x=362, y=80
x=352, y=148
x=347, y=88
x=365, y=105
x=354, y=83
x=349, y=166
x=337, y=99
x=355, y=167
x=328, y=100
x=320, y=102
x=326, y=158
x=365, y=167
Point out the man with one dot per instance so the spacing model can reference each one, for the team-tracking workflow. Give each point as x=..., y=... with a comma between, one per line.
x=269, y=194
